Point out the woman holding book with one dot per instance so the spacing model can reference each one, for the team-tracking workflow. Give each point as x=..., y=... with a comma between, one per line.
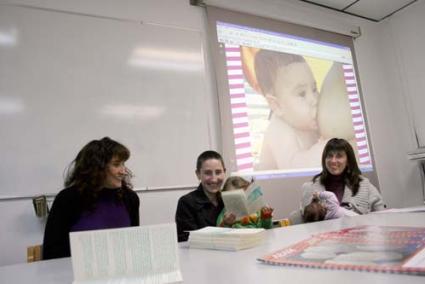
x=98, y=195
x=342, y=176
x=200, y=208
x=260, y=219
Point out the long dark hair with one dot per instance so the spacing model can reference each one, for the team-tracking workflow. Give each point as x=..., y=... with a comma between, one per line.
x=351, y=174
x=87, y=173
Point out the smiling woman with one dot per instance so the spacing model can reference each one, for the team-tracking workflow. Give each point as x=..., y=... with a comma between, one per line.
x=98, y=195
x=201, y=207
x=342, y=176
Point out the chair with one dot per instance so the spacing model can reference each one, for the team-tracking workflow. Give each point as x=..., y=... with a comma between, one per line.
x=34, y=253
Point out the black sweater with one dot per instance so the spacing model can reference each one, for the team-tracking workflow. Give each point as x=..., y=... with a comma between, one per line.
x=195, y=211
x=66, y=211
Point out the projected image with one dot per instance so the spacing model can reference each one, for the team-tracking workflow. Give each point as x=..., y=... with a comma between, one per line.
x=288, y=97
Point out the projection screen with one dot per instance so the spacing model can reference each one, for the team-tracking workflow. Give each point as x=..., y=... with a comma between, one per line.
x=284, y=91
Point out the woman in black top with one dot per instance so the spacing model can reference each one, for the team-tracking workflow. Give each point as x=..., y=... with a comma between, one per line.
x=201, y=207
x=98, y=195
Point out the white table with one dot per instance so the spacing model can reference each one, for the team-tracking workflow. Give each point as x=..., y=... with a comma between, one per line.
x=209, y=266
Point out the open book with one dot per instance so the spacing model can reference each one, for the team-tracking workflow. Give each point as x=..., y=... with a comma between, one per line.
x=394, y=249
x=242, y=203
x=225, y=238
x=145, y=254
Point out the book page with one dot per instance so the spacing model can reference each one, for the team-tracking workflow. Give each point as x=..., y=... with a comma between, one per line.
x=255, y=198
x=235, y=202
x=144, y=254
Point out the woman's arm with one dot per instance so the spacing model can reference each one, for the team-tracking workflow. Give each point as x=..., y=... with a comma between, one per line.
x=185, y=218
x=133, y=204
x=367, y=199
x=375, y=199
x=56, y=234
x=308, y=189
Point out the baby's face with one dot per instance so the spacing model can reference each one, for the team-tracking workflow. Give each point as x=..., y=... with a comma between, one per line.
x=296, y=96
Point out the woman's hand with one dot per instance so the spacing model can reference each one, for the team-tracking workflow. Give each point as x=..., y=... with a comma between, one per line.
x=229, y=219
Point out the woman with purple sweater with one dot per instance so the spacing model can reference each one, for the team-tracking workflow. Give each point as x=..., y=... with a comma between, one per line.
x=98, y=195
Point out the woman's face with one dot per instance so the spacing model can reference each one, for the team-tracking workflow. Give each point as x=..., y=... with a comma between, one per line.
x=211, y=175
x=336, y=162
x=115, y=173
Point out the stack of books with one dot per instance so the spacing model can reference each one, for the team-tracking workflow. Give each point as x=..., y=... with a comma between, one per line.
x=226, y=238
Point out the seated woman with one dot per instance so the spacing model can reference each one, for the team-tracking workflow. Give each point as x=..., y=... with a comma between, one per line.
x=341, y=175
x=200, y=208
x=98, y=195
x=260, y=219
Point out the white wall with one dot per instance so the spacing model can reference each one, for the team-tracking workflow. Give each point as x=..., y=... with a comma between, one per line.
x=386, y=74
x=21, y=227
x=386, y=51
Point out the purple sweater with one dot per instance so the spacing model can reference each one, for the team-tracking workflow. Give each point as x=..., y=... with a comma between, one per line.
x=108, y=213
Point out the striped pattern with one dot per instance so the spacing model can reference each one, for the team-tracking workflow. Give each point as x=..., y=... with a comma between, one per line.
x=238, y=101
x=241, y=133
x=357, y=115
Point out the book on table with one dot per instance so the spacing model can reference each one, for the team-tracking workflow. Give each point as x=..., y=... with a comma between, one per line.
x=226, y=238
x=394, y=249
x=243, y=203
x=143, y=254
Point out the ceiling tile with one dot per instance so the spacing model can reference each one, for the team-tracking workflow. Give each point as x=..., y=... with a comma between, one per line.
x=376, y=9
x=336, y=4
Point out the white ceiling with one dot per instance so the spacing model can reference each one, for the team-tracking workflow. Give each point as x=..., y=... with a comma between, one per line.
x=374, y=10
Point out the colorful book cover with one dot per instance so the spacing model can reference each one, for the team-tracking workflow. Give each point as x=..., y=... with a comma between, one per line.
x=393, y=249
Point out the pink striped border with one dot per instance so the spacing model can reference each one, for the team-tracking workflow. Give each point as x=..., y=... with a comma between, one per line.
x=357, y=115
x=239, y=109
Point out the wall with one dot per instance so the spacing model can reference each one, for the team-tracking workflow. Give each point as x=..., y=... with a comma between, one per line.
x=23, y=228
x=386, y=87
x=390, y=87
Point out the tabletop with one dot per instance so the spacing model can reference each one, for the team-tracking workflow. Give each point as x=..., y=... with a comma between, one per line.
x=214, y=266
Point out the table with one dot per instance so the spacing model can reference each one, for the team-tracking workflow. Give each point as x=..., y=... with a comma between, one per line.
x=212, y=267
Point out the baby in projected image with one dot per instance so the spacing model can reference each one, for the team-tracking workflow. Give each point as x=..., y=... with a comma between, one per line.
x=287, y=83
x=325, y=206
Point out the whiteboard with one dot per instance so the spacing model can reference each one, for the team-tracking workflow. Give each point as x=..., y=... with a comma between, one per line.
x=66, y=79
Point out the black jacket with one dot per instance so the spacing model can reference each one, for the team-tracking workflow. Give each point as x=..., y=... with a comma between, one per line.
x=195, y=211
x=66, y=211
